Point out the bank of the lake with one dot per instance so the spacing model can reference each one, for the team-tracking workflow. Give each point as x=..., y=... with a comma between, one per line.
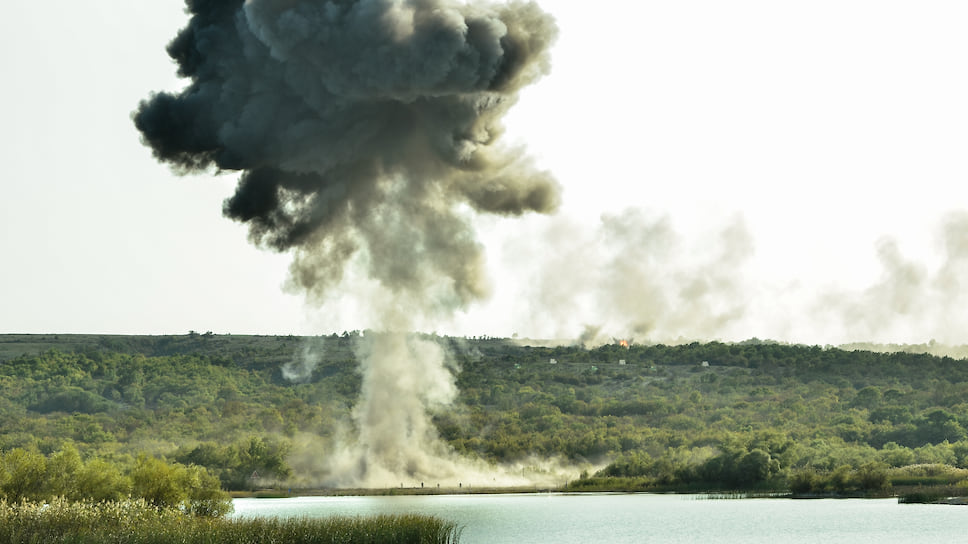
x=634, y=518
x=909, y=494
x=389, y=491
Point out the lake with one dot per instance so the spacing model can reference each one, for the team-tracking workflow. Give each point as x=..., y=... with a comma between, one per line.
x=635, y=518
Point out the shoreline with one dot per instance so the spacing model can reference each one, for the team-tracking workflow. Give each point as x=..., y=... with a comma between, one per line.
x=390, y=491
x=924, y=495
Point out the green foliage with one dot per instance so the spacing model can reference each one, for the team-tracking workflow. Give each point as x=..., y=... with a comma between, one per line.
x=803, y=481
x=31, y=476
x=236, y=463
x=190, y=488
x=157, y=482
x=871, y=478
x=100, y=481
x=72, y=399
x=62, y=474
x=24, y=475
x=632, y=464
x=715, y=415
x=737, y=467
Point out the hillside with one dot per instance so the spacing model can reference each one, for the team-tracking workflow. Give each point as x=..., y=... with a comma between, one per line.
x=713, y=415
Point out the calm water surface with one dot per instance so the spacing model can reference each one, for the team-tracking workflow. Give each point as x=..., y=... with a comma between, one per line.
x=627, y=518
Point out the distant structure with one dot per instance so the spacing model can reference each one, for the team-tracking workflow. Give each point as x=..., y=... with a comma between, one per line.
x=553, y=361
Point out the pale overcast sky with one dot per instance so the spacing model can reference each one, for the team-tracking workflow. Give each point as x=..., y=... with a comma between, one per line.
x=731, y=169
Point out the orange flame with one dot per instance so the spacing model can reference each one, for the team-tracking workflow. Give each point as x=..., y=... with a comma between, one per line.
x=624, y=343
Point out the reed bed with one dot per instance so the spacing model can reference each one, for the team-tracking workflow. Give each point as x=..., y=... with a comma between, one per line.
x=137, y=522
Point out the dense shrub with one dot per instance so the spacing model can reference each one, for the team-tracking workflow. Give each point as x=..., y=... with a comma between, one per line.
x=31, y=476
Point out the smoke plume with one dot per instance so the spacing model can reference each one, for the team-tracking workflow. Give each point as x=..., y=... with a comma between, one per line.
x=635, y=277
x=639, y=277
x=366, y=132
x=360, y=126
x=909, y=294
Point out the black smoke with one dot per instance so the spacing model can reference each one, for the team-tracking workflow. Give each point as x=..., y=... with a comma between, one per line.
x=361, y=127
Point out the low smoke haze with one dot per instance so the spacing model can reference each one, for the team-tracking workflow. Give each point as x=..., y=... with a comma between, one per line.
x=718, y=171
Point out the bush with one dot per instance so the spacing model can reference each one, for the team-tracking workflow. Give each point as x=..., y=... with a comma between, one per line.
x=28, y=475
x=190, y=488
x=803, y=481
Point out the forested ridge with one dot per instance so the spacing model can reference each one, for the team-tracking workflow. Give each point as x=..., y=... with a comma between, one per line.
x=703, y=415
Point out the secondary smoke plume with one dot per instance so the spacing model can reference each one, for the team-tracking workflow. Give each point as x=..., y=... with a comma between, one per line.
x=364, y=130
x=635, y=277
x=909, y=292
x=640, y=277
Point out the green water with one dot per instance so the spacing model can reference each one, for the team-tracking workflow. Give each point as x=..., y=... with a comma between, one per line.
x=635, y=518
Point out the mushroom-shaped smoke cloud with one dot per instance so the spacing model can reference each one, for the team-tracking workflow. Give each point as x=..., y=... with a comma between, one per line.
x=365, y=129
x=361, y=126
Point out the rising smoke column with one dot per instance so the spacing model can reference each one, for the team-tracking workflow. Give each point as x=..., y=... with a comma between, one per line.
x=363, y=130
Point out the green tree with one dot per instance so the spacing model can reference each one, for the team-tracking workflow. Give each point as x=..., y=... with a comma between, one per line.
x=871, y=477
x=99, y=481
x=157, y=482
x=840, y=479
x=205, y=496
x=895, y=455
x=804, y=480
x=190, y=488
x=62, y=470
x=26, y=471
x=756, y=466
x=868, y=397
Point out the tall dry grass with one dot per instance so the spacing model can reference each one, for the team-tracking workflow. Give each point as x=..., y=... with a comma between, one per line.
x=137, y=522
